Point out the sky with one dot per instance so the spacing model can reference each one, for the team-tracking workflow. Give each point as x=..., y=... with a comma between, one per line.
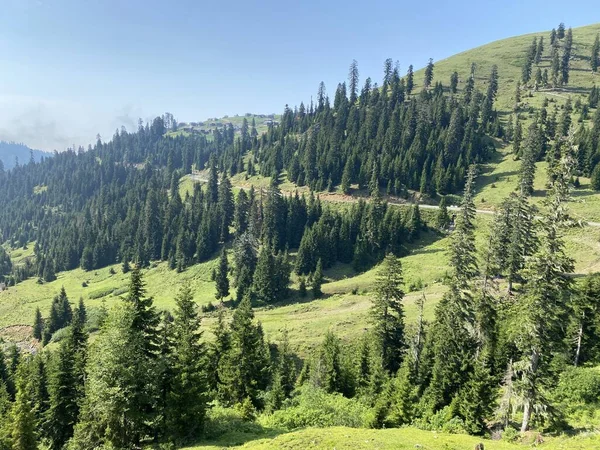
x=70, y=69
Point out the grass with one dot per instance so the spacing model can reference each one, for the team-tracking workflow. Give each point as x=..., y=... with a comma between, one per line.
x=399, y=438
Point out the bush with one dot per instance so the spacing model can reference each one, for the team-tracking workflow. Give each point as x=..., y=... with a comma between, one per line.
x=95, y=318
x=221, y=421
x=120, y=291
x=578, y=385
x=60, y=334
x=99, y=293
x=510, y=434
x=315, y=408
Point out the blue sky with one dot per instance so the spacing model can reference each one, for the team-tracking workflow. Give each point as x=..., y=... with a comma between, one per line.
x=72, y=68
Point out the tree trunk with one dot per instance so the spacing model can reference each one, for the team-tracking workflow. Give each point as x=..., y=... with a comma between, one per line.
x=530, y=394
x=579, y=339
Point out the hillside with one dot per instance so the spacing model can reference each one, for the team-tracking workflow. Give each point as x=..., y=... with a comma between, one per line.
x=392, y=439
x=10, y=152
x=243, y=285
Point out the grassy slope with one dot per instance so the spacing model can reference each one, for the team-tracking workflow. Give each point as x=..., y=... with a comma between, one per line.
x=399, y=438
x=341, y=310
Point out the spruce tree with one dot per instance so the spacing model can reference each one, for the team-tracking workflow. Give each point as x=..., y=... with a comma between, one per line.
x=23, y=427
x=243, y=369
x=225, y=207
x=222, y=277
x=410, y=80
x=120, y=385
x=244, y=256
x=542, y=306
x=187, y=396
x=428, y=73
x=454, y=82
x=38, y=325
x=442, y=219
x=317, y=280
x=146, y=317
x=387, y=313
x=63, y=389
x=595, y=54
x=463, y=259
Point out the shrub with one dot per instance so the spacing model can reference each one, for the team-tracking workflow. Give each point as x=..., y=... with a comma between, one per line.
x=315, y=408
x=221, y=421
x=510, y=434
x=120, y=291
x=99, y=293
x=578, y=385
x=60, y=334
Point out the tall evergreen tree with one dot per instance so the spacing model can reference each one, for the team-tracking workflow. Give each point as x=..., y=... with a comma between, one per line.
x=23, y=433
x=222, y=277
x=542, y=307
x=243, y=369
x=595, y=54
x=387, y=313
x=410, y=80
x=428, y=73
x=38, y=325
x=187, y=397
x=317, y=280
x=119, y=386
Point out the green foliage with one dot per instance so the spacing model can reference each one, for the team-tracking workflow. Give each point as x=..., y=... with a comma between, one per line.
x=222, y=277
x=119, y=384
x=187, y=393
x=243, y=367
x=316, y=408
x=387, y=313
x=317, y=280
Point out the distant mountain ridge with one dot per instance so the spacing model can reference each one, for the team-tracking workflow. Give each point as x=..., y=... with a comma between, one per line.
x=10, y=152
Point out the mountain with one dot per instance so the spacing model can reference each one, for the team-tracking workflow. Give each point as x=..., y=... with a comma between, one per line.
x=305, y=244
x=10, y=152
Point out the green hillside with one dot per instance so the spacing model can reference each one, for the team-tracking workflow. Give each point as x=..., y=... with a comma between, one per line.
x=392, y=439
x=401, y=366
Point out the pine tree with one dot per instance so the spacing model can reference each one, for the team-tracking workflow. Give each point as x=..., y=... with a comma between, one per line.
x=225, y=207
x=595, y=56
x=542, y=306
x=245, y=259
x=454, y=82
x=221, y=277
x=120, y=385
x=477, y=398
x=462, y=247
x=410, y=80
x=442, y=219
x=539, y=51
x=187, y=396
x=125, y=267
x=353, y=82
x=317, y=280
x=38, y=325
x=428, y=74
x=387, y=313
x=560, y=31
x=23, y=433
x=63, y=390
x=146, y=318
x=212, y=186
x=326, y=372
x=243, y=368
